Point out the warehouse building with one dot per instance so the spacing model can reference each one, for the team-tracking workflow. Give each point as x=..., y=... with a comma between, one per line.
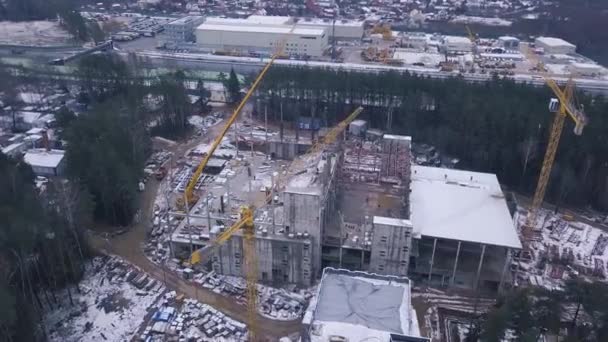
x=553, y=45
x=245, y=38
x=457, y=44
x=182, y=29
x=339, y=29
x=361, y=306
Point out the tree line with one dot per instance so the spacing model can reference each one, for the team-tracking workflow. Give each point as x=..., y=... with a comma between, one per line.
x=42, y=248
x=497, y=126
x=580, y=310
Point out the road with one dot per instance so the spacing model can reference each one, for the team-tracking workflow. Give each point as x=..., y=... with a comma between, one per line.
x=130, y=247
x=245, y=65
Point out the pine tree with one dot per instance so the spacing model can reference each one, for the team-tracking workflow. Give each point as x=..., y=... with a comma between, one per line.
x=234, y=88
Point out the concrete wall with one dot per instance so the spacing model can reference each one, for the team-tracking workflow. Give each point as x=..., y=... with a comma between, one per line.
x=391, y=246
x=342, y=32
x=279, y=261
x=287, y=150
x=303, y=213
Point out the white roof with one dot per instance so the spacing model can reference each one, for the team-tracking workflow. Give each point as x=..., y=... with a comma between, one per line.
x=29, y=117
x=44, y=158
x=461, y=205
x=587, y=66
x=553, y=42
x=390, y=221
x=260, y=29
x=185, y=20
x=456, y=40
x=361, y=306
x=8, y=150
x=269, y=20
x=328, y=22
x=397, y=137
x=358, y=123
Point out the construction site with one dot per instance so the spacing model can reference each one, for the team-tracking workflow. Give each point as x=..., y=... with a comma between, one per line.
x=290, y=221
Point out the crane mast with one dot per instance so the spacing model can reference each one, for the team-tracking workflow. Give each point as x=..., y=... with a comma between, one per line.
x=566, y=108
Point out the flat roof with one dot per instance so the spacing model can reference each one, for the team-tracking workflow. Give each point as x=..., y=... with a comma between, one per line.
x=269, y=19
x=553, y=42
x=319, y=21
x=391, y=221
x=397, y=137
x=462, y=206
x=456, y=40
x=185, y=19
x=361, y=306
x=261, y=29
x=44, y=158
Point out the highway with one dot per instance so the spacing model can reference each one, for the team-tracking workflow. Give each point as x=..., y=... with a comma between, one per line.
x=246, y=65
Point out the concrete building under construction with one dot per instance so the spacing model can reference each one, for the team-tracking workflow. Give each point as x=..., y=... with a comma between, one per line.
x=362, y=205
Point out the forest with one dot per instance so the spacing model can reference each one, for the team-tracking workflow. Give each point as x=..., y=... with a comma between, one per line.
x=527, y=313
x=497, y=126
x=42, y=247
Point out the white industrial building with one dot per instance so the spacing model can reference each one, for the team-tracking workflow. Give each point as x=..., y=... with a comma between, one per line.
x=261, y=34
x=553, y=45
x=46, y=163
x=508, y=42
x=457, y=44
x=340, y=29
x=182, y=29
x=586, y=69
x=254, y=35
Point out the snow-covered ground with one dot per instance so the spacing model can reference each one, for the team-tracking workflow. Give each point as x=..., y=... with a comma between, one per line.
x=108, y=307
x=562, y=241
x=191, y=321
x=38, y=33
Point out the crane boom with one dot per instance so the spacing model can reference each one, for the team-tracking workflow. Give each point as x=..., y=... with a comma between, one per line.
x=233, y=117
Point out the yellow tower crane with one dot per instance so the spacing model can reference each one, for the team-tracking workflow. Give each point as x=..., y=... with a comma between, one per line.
x=562, y=106
x=190, y=198
x=246, y=225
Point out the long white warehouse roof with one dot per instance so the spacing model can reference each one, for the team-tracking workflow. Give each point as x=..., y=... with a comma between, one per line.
x=554, y=42
x=462, y=206
x=261, y=29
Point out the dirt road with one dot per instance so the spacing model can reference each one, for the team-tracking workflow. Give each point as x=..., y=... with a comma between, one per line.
x=130, y=247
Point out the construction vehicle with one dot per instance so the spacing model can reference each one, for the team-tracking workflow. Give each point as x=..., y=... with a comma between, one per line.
x=562, y=106
x=384, y=30
x=245, y=223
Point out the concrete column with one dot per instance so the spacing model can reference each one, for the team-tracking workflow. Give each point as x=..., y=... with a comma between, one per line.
x=455, y=264
x=229, y=209
x=272, y=201
x=362, y=259
x=432, y=259
x=483, y=252
x=208, y=211
x=504, y=270
x=266, y=128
